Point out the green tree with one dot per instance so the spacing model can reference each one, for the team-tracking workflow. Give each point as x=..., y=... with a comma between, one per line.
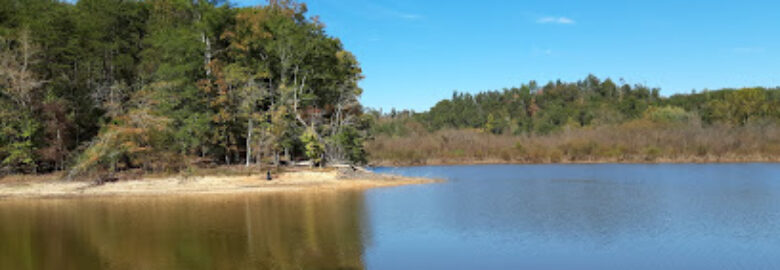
x=20, y=92
x=314, y=148
x=747, y=104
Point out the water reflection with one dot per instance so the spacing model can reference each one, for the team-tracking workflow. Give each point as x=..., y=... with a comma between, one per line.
x=274, y=231
x=724, y=216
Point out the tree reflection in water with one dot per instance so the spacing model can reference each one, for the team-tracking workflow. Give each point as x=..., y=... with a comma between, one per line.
x=321, y=230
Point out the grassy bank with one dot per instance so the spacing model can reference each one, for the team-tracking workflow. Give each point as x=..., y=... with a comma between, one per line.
x=638, y=141
x=229, y=182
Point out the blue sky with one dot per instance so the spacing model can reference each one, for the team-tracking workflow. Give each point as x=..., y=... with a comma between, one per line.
x=416, y=52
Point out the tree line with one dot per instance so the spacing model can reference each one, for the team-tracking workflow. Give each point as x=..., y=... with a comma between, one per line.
x=535, y=109
x=591, y=120
x=159, y=85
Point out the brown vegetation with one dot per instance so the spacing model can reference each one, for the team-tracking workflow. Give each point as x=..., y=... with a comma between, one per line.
x=631, y=142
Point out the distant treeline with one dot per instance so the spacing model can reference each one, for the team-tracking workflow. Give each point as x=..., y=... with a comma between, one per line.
x=588, y=120
x=159, y=85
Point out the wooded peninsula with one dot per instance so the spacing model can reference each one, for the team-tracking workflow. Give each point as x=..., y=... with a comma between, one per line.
x=589, y=121
x=103, y=87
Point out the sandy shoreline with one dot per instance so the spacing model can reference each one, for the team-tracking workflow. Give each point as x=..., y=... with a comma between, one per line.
x=303, y=181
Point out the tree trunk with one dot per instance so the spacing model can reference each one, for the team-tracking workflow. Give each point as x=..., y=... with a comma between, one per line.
x=227, y=147
x=295, y=90
x=60, y=149
x=206, y=53
x=259, y=157
x=249, y=142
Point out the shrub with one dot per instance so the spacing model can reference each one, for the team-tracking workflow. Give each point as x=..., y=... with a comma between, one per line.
x=669, y=114
x=314, y=148
x=652, y=153
x=519, y=148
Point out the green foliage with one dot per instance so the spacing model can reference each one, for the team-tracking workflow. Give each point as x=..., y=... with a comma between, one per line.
x=531, y=109
x=152, y=83
x=730, y=106
x=541, y=110
x=585, y=121
x=18, y=149
x=652, y=153
x=495, y=125
x=669, y=114
x=314, y=148
x=350, y=141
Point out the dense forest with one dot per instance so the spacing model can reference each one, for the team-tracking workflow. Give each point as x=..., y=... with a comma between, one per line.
x=101, y=86
x=161, y=85
x=586, y=121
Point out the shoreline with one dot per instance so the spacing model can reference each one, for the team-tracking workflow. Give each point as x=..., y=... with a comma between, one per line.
x=441, y=162
x=314, y=180
x=287, y=182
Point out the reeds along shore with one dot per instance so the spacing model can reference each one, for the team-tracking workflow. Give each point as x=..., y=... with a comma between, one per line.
x=637, y=141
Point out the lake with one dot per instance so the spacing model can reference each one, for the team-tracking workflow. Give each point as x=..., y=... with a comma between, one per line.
x=681, y=216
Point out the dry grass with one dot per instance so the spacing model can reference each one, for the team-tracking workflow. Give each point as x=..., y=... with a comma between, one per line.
x=299, y=181
x=637, y=141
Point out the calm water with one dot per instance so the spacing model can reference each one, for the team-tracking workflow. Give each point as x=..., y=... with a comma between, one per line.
x=485, y=217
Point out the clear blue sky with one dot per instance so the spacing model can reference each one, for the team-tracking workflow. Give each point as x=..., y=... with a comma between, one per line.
x=416, y=52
